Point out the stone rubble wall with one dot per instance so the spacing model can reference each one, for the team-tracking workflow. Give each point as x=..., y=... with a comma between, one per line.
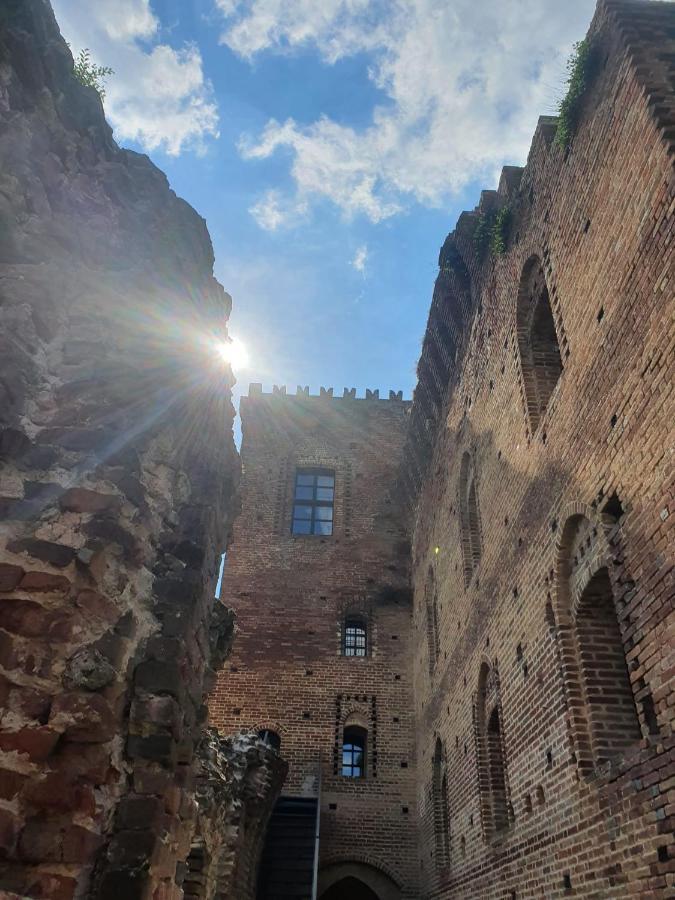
x=118, y=485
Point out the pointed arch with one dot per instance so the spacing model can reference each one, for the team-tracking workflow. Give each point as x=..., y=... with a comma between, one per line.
x=539, y=349
x=604, y=720
x=469, y=516
x=496, y=813
x=439, y=796
x=432, y=619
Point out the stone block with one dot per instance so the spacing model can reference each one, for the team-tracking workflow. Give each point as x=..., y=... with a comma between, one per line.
x=90, y=762
x=157, y=747
x=55, y=554
x=36, y=742
x=131, y=848
x=127, y=883
x=9, y=829
x=83, y=500
x=88, y=669
x=61, y=793
x=11, y=783
x=44, y=583
x=159, y=678
x=98, y=606
x=24, y=617
x=10, y=576
x=83, y=718
x=140, y=813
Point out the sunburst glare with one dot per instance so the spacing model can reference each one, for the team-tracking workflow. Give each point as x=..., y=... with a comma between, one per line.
x=234, y=352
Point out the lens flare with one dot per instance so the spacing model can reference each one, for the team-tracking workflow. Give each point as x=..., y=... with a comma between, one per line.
x=233, y=352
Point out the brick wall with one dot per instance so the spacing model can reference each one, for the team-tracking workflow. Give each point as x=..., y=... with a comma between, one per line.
x=112, y=514
x=551, y=699
x=291, y=595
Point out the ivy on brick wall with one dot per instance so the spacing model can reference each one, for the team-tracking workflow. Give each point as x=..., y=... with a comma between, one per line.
x=580, y=68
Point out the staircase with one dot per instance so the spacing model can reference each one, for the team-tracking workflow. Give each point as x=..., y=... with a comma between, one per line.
x=287, y=865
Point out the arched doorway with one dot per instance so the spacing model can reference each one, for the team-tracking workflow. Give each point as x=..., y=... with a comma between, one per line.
x=352, y=880
x=349, y=889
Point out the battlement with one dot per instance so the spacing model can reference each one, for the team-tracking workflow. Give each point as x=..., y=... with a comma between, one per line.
x=538, y=198
x=255, y=390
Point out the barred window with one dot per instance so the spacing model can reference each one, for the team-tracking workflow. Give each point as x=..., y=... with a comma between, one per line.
x=313, y=501
x=355, y=641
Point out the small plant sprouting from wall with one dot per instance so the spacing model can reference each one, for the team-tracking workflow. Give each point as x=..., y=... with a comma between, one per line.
x=500, y=231
x=492, y=231
x=89, y=74
x=483, y=232
x=579, y=73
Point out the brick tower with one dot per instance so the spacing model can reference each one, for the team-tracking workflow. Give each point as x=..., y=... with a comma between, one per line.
x=318, y=575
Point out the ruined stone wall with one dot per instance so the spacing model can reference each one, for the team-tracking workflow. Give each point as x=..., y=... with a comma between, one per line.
x=542, y=491
x=237, y=783
x=117, y=489
x=292, y=593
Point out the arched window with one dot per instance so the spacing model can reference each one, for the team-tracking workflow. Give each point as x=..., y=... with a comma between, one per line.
x=355, y=637
x=609, y=723
x=495, y=810
x=271, y=738
x=469, y=517
x=354, y=742
x=537, y=340
x=431, y=608
x=439, y=788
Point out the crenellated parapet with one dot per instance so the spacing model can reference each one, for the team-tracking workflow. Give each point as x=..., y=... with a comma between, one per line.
x=302, y=392
x=529, y=201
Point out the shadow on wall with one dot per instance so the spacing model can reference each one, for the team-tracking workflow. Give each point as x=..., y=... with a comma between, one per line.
x=356, y=881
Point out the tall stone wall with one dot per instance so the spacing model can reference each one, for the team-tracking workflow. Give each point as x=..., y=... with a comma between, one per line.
x=118, y=483
x=541, y=482
x=288, y=672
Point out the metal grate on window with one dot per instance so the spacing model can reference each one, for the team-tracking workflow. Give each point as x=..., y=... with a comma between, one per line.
x=355, y=639
x=313, y=502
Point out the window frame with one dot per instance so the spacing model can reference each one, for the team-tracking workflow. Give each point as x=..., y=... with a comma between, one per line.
x=354, y=623
x=315, y=503
x=349, y=734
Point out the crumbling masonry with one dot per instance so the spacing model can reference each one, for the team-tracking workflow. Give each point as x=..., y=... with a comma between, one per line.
x=456, y=647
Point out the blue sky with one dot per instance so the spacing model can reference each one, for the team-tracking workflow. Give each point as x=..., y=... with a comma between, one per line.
x=330, y=145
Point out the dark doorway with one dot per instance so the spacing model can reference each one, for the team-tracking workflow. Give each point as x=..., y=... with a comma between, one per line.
x=349, y=889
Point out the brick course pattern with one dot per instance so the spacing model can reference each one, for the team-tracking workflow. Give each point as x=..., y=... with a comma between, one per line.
x=291, y=595
x=540, y=479
x=118, y=479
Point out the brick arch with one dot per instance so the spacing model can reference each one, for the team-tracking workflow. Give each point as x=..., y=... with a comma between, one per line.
x=469, y=516
x=439, y=796
x=332, y=870
x=602, y=713
x=538, y=340
x=432, y=620
x=495, y=808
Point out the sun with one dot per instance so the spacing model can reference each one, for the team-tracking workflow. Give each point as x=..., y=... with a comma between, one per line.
x=233, y=352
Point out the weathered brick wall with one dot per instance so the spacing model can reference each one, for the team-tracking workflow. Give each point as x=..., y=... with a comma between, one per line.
x=573, y=505
x=117, y=488
x=291, y=595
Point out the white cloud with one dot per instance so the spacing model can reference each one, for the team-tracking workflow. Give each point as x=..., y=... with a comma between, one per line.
x=464, y=84
x=158, y=95
x=360, y=258
x=268, y=212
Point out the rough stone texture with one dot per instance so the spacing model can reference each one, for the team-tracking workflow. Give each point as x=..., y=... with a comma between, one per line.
x=117, y=489
x=545, y=534
x=292, y=594
x=238, y=781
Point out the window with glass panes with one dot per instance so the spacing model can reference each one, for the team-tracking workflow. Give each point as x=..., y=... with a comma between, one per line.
x=355, y=638
x=313, y=501
x=354, y=753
